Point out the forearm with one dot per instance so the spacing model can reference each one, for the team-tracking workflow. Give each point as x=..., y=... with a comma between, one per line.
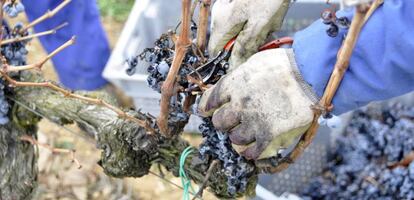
x=382, y=63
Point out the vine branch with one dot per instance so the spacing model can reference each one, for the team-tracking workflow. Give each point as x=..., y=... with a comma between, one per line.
x=66, y=93
x=205, y=181
x=18, y=39
x=47, y=15
x=203, y=25
x=38, y=65
x=168, y=87
x=70, y=94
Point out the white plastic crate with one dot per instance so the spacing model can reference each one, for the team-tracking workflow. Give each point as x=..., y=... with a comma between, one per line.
x=147, y=21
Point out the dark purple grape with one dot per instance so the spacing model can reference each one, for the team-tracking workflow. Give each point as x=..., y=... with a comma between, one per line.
x=327, y=16
x=343, y=22
x=333, y=30
x=218, y=146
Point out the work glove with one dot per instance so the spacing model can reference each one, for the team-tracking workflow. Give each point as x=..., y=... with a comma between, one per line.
x=264, y=105
x=250, y=20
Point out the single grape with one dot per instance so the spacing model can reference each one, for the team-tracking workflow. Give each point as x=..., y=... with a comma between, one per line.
x=343, y=22
x=333, y=30
x=163, y=68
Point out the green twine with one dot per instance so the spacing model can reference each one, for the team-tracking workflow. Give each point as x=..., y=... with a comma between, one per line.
x=185, y=181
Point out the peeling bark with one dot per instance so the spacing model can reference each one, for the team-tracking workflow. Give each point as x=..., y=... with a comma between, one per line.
x=18, y=159
x=127, y=150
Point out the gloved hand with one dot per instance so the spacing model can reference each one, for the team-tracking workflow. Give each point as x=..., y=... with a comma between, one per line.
x=251, y=20
x=263, y=104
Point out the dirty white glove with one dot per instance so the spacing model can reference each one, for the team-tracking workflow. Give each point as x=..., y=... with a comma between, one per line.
x=263, y=104
x=251, y=20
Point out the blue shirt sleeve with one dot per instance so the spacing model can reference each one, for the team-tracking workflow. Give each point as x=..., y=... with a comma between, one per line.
x=381, y=67
x=79, y=66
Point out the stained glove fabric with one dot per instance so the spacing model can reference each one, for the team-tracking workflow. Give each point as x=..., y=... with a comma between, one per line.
x=251, y=20
x=381, y=67
x=79, y=66
x=263, y=104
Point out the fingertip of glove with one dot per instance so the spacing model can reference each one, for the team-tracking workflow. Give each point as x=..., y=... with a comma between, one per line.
x=212, y=99
x=202, y=110
x=239, y=135
x=225, y=118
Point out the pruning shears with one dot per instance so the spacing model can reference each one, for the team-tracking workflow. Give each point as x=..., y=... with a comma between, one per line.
x=219, y=63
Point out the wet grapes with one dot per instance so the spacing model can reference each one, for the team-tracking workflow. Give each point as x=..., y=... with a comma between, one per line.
x=217, y=145
x=359, y=167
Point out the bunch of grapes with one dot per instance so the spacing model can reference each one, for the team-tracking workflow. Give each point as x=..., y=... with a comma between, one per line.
x=217, y=145
x=160, y=58
x=16, y=52
x=329, y=18
x=4, y=105
x=361, y=165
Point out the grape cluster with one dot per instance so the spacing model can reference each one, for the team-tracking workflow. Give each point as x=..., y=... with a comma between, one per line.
x=217, y=145
x=329, y=18
x=15, y=55
x=15, y=52
x=4, y=105
x=361, y=164
x=160, y=58
x=13, y=8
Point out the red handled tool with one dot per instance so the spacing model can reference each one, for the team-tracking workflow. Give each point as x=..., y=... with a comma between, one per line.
x=277, y=43
x=212, y=67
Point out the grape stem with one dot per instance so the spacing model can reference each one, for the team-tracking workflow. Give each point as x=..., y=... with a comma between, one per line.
x=203, y=185
x=193, y=7
x=361, y=17
x=168, y=87
x=71, y=152
x=203, y=25
x=404, y=162
x=47, y=15
x=36, y=35
x=38, y=65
